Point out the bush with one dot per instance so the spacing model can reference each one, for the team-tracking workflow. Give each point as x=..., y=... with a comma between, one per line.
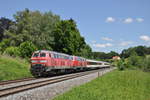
x=3, y=45
x=26, y=49
x=146, y=63
x=135, y=61
x=12, y=51
x=120, y=65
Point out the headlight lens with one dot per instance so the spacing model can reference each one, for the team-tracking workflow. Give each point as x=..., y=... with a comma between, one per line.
x=43, y=61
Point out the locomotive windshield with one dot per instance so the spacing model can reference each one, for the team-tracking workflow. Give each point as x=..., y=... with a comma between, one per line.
x=39, y=55
x=35, y=55
x=42, y=55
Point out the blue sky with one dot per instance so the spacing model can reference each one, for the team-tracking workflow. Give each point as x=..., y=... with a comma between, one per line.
x=107, y=25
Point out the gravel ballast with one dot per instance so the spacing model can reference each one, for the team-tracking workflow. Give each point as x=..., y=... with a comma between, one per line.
x=48, y=92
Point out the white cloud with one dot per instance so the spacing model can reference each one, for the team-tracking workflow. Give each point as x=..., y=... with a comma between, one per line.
x=139, y=19
x=106, y=39
x=145, y=38
x=110, y=19
x=93, y=41
x=125, y=43
x=128, y=20
x=102, y=45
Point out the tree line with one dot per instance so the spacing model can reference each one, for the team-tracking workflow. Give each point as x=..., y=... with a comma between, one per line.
x=34, y=30
x=135, y=58
x=139, y=50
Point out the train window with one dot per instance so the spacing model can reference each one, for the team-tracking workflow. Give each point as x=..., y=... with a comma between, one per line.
x=49, y=55
x=35, y=55
x=59, y=56
x=78, y=59
x=42, y=55
x=62, y=57
x=66, y=57
x=55, y=56
x=70, y=58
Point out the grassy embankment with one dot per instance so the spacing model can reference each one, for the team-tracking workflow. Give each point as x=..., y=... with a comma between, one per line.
x=13, y=68
x=116, y=85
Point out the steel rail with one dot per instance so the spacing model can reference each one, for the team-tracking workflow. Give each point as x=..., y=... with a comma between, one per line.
x=15, y=81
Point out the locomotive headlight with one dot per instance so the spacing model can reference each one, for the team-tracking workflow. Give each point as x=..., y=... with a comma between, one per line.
x=43, y=61
x=33, y=61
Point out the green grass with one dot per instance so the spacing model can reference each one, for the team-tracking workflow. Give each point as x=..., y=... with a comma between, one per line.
x=13, y=68
x=116, y=85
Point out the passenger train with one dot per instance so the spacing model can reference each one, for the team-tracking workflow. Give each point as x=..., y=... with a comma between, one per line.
x=45, y=63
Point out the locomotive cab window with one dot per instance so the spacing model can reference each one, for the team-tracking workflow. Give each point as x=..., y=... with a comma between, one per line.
x=35, y=55
x=43, y=55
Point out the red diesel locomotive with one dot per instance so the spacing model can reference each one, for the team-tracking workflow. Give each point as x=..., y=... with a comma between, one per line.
x=44, y=63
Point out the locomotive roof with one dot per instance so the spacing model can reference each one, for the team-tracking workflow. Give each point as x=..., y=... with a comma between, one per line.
x=54, y=52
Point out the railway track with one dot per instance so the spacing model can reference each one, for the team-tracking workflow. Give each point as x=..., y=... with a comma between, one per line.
x=28, y=86
x=16, y=81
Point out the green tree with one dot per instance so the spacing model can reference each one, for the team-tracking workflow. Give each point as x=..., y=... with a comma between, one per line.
x=103, y=55
x=33, y=26
x=140, y=50
x=111, y=54
x=135, y=61
x=4, y=44
x=85, y=51
x=67, y=38
x=5, y=24
x=26, y=49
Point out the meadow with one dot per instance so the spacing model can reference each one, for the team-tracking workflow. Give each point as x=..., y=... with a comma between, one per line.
x=116, y=85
